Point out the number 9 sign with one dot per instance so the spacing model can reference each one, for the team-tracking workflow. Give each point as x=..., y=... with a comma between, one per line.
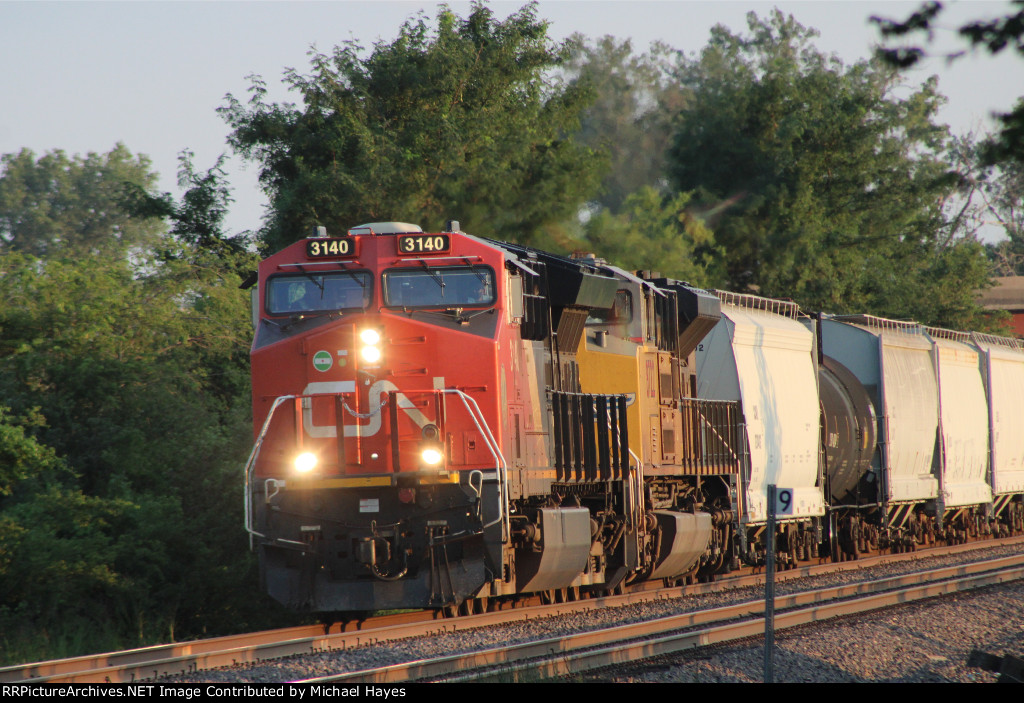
x=783, y=501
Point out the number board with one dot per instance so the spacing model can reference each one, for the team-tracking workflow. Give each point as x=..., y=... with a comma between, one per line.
x=783, y=501
x=424, y=244
x=331, y=247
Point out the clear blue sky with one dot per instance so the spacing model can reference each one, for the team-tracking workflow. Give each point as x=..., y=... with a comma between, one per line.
x=82, y=76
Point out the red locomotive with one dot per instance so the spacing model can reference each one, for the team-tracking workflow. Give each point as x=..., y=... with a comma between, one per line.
x=422, y=437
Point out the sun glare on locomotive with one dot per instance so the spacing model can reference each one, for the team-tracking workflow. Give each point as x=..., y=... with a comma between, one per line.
x=431, y=457
x=305, y=462
x=371, y=352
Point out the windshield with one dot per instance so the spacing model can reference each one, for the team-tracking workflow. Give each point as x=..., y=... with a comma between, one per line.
x=462, y=286
x=621, y=312
x=315, y=292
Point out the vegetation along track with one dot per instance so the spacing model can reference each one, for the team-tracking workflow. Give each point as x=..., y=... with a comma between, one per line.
x=186, y=660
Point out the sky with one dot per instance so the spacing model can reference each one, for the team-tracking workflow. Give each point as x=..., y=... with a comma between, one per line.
x=83, y=76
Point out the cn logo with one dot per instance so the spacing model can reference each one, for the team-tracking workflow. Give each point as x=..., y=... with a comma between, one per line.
x=378, y=393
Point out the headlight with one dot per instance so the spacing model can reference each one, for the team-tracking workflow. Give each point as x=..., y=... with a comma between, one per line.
x=305, y=462
x=370, y=353
x=431, y=456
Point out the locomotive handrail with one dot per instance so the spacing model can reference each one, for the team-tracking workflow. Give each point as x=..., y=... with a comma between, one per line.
x=251, y=463
x=499, y=460
x=474, y=413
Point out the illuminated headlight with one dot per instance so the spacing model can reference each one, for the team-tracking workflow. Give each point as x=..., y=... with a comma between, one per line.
x=370, y=353
x=305, y=462
x=431, y=456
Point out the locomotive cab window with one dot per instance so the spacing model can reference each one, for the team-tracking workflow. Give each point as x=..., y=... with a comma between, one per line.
x=441, y=287
x=620, y=313
x=319, y=292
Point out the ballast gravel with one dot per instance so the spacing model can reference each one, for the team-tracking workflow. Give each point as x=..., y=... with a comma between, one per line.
x=927, y=642
x=924, y=642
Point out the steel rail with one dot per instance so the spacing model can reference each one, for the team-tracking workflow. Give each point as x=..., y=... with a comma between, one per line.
x=623, y=644
x=187, y=657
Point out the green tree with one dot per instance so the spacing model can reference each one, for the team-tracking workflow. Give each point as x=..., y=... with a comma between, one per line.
x=1003, y=197
x=819, y=183
x=57, y=203
x=137, y=373
x=462, y=121
x=631, y=118
x=994, y=35
x=197, y=230
x=655, y=232
x=991, y=200
x=56, y=556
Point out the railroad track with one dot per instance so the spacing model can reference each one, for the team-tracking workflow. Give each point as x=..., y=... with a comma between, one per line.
x=190, y=657
x=627, y=644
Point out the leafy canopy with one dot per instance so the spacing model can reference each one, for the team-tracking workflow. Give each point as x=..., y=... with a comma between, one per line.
x=460, y=121
x=58, y=203
x=657, y=233
x=994, y=35
x=818, y=182
x=630, y=119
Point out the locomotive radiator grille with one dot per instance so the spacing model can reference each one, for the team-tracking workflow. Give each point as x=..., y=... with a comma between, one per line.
x=591, y=440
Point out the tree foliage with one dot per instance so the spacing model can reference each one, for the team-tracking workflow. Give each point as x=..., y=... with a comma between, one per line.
x=135, y=376
x=61, y=204
x=463, y=121
x=630, y=119
x=657, y=233
x=125, y=418
x=818, y=182
x=197, y=223
x=994, y=35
